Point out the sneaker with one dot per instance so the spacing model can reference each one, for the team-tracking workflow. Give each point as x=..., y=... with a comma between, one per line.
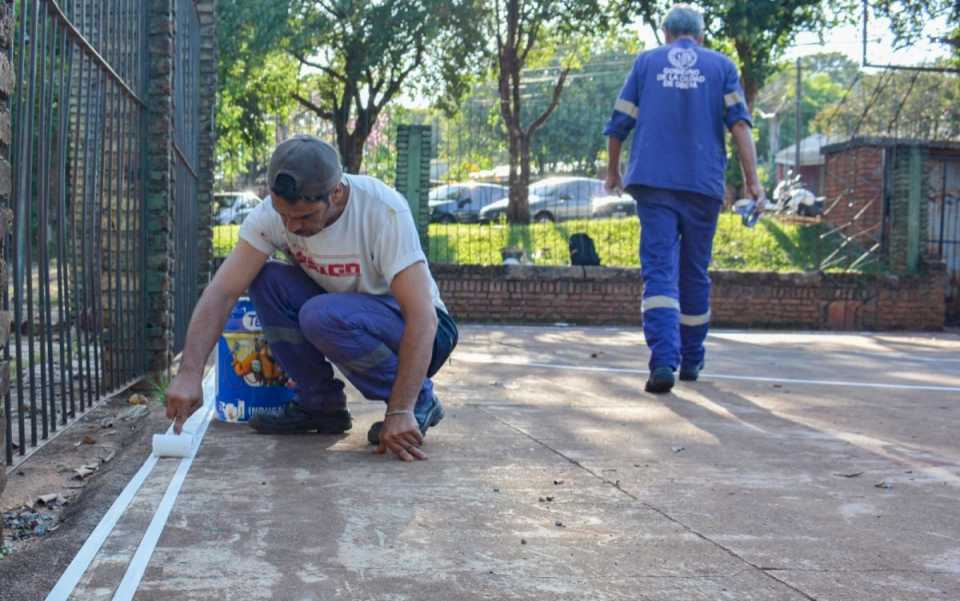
x=690, y=373
x=433, y=417
x=660, y=380
x=296, y=420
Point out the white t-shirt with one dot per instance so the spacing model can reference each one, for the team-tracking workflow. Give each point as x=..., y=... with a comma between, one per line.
x=372, y=241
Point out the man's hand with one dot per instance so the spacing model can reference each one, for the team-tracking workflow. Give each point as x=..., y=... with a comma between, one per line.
x=614, y=183
x=755, y=190
x=401, y=434
x=184, y=396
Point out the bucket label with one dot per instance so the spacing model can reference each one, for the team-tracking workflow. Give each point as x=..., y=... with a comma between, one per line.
x=251, y=322
x=252, y=361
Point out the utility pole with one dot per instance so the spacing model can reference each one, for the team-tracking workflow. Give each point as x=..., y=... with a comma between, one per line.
x=796, y=161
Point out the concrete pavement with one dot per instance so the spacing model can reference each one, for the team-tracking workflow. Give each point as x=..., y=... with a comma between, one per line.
x=809, y=466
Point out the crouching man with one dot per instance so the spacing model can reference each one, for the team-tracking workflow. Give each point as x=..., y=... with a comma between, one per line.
x=358, y=294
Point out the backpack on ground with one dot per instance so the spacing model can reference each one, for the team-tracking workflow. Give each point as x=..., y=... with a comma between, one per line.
x=582, y=250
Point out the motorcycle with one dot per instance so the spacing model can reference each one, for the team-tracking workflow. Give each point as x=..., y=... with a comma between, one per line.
x=791, y=198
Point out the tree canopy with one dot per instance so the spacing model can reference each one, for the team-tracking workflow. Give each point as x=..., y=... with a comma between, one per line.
x=352, y=58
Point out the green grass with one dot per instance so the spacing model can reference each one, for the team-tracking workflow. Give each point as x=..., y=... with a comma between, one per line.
x=224, y=237
x=770, y=246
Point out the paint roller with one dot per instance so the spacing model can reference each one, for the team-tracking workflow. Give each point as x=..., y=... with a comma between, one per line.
x=174, y=445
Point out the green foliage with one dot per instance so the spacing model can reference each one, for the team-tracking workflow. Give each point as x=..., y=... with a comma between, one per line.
x=760, y=32
x=908, y=17
x=255, y=95
x=825, y=79
x=573, y=135
x=351, y=60
x=771, y=246
x=897, y=103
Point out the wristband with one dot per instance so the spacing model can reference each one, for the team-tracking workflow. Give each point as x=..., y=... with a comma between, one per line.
x=399, y=412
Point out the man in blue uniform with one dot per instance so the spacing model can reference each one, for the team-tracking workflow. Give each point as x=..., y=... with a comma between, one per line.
x=678, y=98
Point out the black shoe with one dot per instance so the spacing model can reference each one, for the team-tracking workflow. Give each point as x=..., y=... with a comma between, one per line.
x=433, y=417
x=296, y=420
x=660, y=380
x=690, y=373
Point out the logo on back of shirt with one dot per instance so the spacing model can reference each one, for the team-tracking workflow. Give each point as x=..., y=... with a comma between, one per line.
x=681, y=74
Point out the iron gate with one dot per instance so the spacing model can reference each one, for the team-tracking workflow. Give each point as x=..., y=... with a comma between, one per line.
x=78, y=246
x=943, y=234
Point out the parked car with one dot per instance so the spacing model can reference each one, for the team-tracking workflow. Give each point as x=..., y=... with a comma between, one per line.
x=614, y=205
x=554, y=199
x=462, y=202
x=234, y=206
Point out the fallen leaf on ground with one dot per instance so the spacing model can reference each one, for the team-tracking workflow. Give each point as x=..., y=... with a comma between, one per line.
x=678, y=449
x=85, y=470
x=89, y=440
x=883, y=484
x=137, y=399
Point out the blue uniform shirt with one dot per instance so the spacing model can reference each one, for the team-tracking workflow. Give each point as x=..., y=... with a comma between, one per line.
x=679, y=97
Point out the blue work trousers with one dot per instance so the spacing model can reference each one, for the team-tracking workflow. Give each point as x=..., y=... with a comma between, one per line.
x=676, y=244
x=308, y=329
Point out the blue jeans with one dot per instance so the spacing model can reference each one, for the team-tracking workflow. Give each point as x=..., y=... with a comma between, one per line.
x=676, y=245
x=308, y=329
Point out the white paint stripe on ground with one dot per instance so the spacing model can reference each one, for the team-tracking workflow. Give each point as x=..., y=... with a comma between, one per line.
x=138, y=565
x=84, y=557
x=519, y=360
x=75, y=571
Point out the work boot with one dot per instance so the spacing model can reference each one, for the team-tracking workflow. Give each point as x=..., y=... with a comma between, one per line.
x=431, y=417
x=297, y=420
x=660, y=380
x=690, y=373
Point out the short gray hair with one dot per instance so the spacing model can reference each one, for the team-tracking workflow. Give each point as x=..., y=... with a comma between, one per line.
x=683, y=19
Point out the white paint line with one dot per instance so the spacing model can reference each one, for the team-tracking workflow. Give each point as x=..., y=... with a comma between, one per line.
x=75, y=571
x=84, y=557
x=138, y=565
x=518, y=360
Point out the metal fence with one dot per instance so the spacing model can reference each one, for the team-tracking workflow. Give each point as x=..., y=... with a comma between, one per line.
x=77, y=248
x=186, y=140
x=469, y=196
x=943, y=228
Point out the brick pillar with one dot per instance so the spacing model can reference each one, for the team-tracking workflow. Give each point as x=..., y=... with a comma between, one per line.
x=158, y=277
x=908, y=208
x=208, y=98
x=413, y=175
x=6, y=216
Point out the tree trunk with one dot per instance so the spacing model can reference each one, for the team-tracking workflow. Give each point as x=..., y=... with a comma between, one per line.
x=518, y=210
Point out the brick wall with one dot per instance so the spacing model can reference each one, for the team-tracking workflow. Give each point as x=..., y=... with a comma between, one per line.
x=206, y=9
x=159, y=186
x=853, y=178
x=600, y=295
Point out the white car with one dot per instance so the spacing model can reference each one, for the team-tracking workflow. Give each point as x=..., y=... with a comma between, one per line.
x=234, y=206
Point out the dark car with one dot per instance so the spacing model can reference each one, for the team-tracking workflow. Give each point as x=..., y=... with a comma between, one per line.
x=462, y=202
x=554, y=199
x=622, y=205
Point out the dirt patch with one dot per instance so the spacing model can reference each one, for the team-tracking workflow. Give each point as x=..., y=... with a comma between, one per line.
x=44, y=488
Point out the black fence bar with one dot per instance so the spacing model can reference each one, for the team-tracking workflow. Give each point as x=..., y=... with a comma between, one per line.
x=77, y=243
x=186, y=142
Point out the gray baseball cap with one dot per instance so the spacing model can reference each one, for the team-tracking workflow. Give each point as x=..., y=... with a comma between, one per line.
x=312, y=164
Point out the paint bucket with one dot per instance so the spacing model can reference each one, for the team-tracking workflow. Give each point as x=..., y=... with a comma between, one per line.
x=249, y=379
